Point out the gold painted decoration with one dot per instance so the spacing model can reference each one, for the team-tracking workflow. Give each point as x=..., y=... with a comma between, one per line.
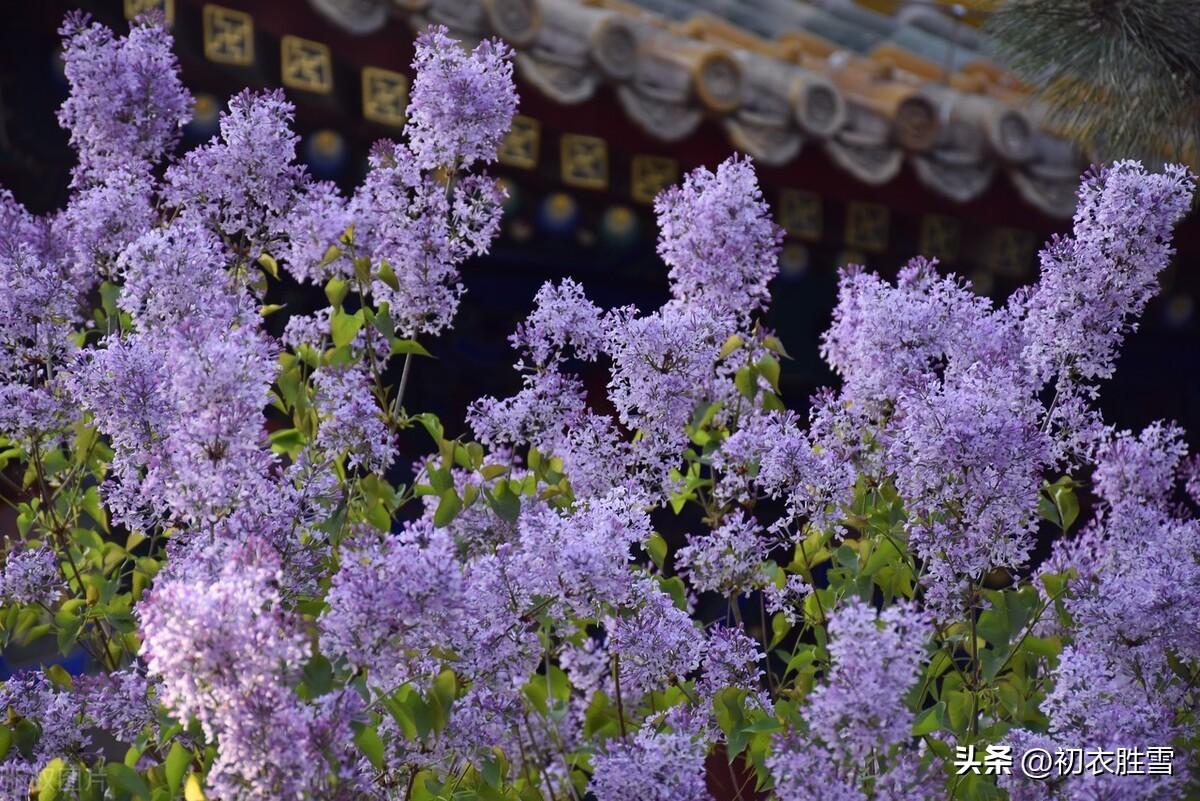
x=305, y=65
x=867, y=227
x=1011, y=252
x=521, y=145
x=649, y=175
x=801, y=214
x=136, y=8
x=384, y=96
x=584, y=161
x=228, y=36
x=940, y=237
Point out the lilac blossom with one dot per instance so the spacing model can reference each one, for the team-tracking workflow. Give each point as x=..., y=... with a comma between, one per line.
x=127, y=105
x=185, y=414
x=351, y=421
x=858, y=726
x=653, y=766
x=423, y=231
x=1096, y=282
x=243, y=182
x=582, y=559
x=315, y=223
x=563, y=323
x=731, y=659
x=876, y=658
x=121, y=703
x=968, y=456
x=462, y=103
x=729, y=560
x=56, y=712
x=392, y=602
x=717, y=237
x=655, y=645
x=32, y=576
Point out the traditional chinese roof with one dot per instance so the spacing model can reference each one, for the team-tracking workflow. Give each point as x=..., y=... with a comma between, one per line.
x=872, y=89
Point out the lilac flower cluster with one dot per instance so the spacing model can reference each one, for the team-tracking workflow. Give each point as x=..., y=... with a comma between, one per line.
x=32, y=576
x=127, y=105
x=462, y=103
x=857, y=724
x=716, y=235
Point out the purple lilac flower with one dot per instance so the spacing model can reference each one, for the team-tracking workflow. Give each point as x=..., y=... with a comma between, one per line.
x=728, y=560
x=120, y=703
x=876, y=659
x=351, y=421
x=102, y=218
x=39, y=305
x=731, y=659
x=127, y=105
x=770, y=456
x=31, y=576
x=663, y=366
x=1141, y=468
x=243, y=183
x=654, y=645
x=967, y=454
x=407, y=218
x=563, y=323
x=392, y=604
x=787, y=600
x=858, y=726
x=216, y=640
x=1095, y=283
x=184, y=411
x=583, y=559
x=717, y=236
x=884, y=338
x=653, y=766
x=177, y=272
x=314, y=224
x=56, y=712
x=462, y=103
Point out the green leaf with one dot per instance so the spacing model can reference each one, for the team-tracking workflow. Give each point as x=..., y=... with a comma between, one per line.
x=779, y=629
x=318, y=676
x=409, y=346
x=59, y=675
x=431, y=424
x=336, y=290
x=674, y=587
x=927, y=721
x=125, y=778
x=733, y=343
x=50, y=780
x=504, y=502
x=345, y=327
x=744, y=380
x=768, y=366
x=289, y=441
x=368, y=742
x=387, y=275
x=656, y=546
x=176, y=765
x=269, y=265
x=194, y=789
x=448, y=507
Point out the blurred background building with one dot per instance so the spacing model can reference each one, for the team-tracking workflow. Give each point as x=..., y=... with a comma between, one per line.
x=881, y=129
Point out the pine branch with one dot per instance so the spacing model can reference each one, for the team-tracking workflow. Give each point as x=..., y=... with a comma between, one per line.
x=1122, y=77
